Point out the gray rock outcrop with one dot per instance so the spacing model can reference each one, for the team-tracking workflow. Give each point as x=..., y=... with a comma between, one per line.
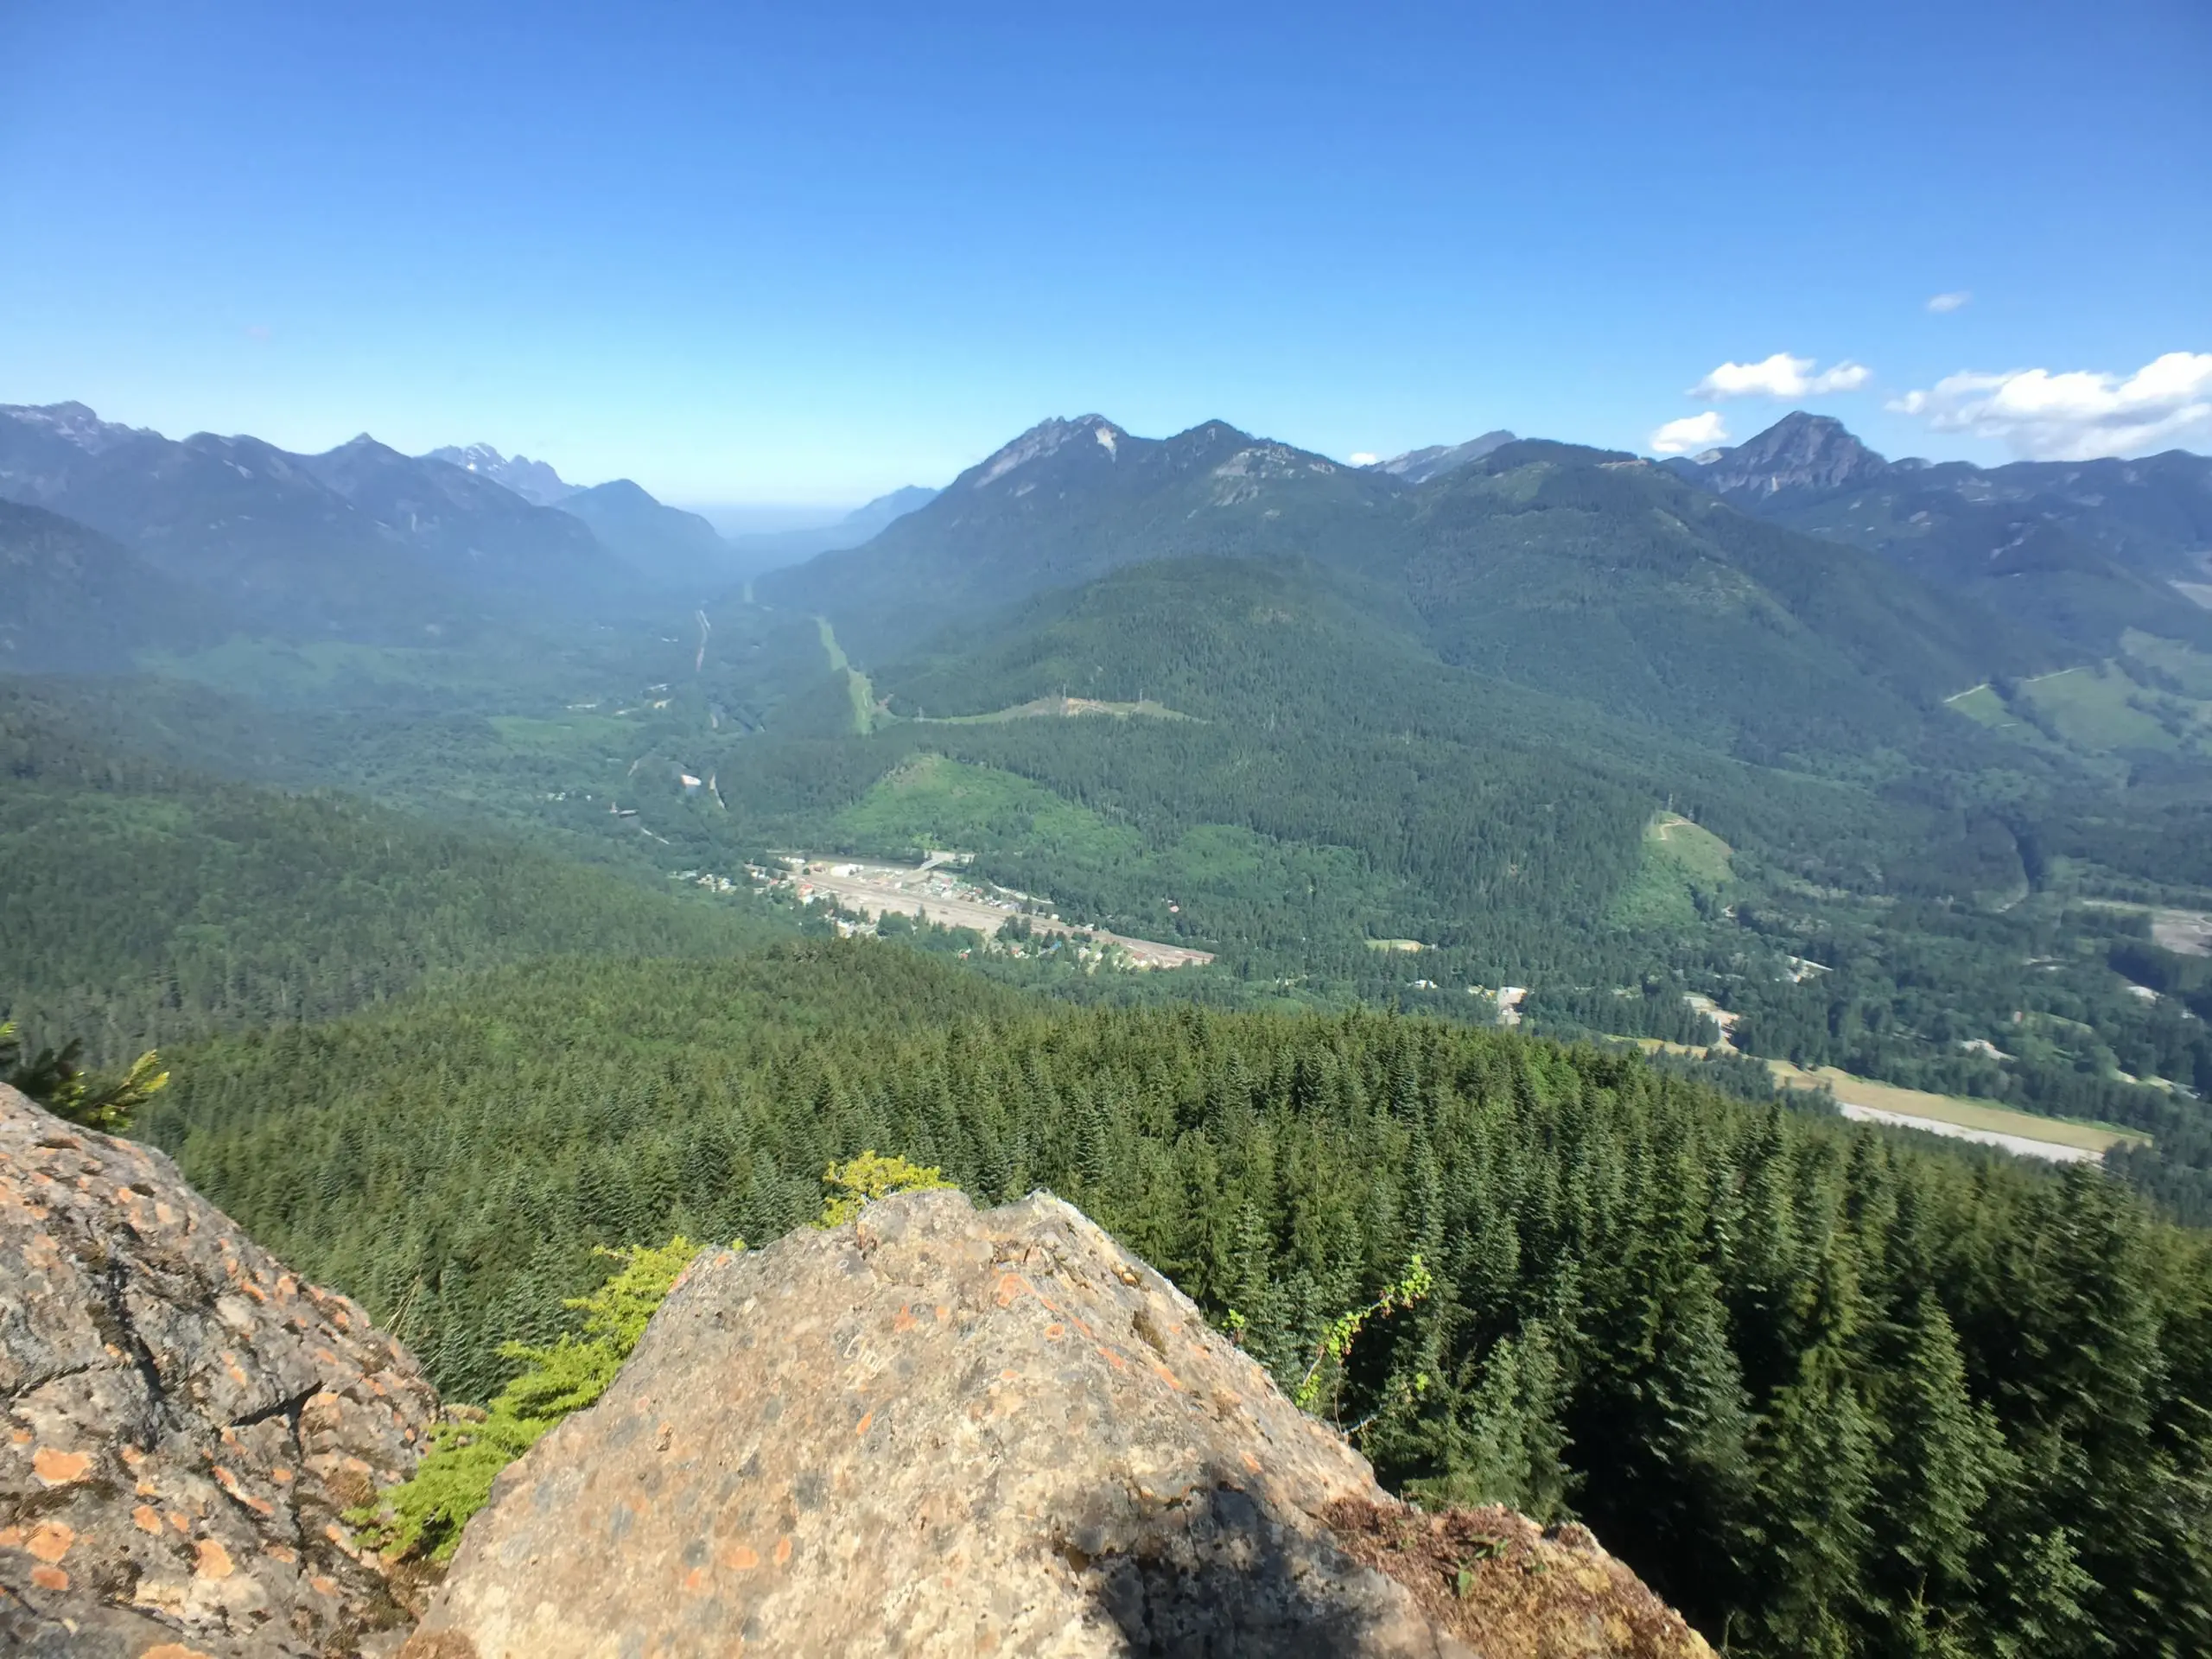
x=936, y=1431
x=186, y=1420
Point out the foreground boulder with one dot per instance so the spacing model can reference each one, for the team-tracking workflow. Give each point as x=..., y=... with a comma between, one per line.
x=936, y=1431
x=186, y=1420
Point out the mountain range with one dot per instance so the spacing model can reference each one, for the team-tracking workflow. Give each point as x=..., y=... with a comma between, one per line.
x=1796, y=594
x=2088, y=550
x=1584, y=574
x=159, y=541
x=360, y=542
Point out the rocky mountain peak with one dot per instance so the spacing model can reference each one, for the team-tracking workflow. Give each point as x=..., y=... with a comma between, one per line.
x=534, y=481
x=1045, y=438
x=1798, y=452
x=937, y=1430
x=1419, y=465
x=187, y=1419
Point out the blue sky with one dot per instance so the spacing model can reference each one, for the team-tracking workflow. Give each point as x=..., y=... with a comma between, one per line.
x=805, y=253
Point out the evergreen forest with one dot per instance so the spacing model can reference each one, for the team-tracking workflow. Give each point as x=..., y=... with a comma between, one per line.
x=1830, y=1390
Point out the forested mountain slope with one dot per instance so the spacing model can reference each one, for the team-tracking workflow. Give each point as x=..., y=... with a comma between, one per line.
x=1828, y=1392
x=1601, y=577
x=666, y=547
x=72, y=598
x=1578, y=572
x=142, y=902
x=2084, y=549
x=1068, y=501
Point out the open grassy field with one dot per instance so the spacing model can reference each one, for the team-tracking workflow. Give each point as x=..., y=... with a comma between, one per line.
x=1984, y=1114
x=2093, y=709
x=1058, y=709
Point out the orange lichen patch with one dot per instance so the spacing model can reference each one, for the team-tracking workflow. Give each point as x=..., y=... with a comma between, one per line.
x=181, y=1521
x=323, y=1586
x=229, y=1483
x=11, y=1537
x=1113, y=1358
x=281, y=1475
x=236, y=1371
x=50, y=1540
x=21, y=1437
x=131, y=1456
x=1251, y=1463
x=903, y=1321
x=783, y=1550
x=214, y=1560
x=739, y=1558
x=49, y=1577
x=173, y=1650
x=283, y=1553
x=863, y=1427
x=147, y=1518
x=1166, y=1376
x=943, y=1312
x=57, y=1467
x=1056, y=1330
x=694, y=1582
x=164, y=1214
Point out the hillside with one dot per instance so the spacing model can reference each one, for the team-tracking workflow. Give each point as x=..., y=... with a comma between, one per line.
x=78, y=602
x=145, y=902
x=1067, y=502
x=1603, y=578
x=2084, y=550
x=666, y=547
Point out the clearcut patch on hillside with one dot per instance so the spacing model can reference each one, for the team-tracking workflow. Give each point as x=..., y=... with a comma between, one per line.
x=933, y=801
x=1685, y=873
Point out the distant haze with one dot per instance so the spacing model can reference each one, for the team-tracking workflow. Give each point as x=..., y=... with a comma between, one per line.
x=766, y=518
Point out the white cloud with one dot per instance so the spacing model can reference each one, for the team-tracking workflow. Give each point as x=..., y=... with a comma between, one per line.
x=1363, y=459
x=1691, y=433
x=1957, y=301
x=2077, y=415
x=1781, y=375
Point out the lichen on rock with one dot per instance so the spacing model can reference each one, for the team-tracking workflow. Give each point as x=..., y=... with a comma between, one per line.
x=934, y=1431
x=187, y=1420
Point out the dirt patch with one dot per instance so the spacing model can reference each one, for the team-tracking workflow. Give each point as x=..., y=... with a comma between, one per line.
x=2184, y=932
x=1497, y=1582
